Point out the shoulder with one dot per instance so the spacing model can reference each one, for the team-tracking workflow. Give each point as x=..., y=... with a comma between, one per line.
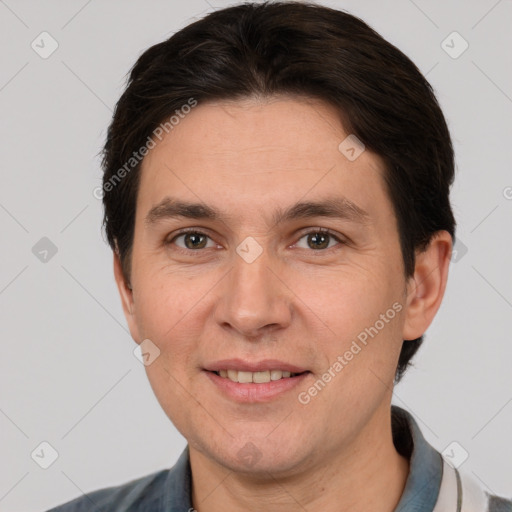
x=167, y=489
x=142, y=492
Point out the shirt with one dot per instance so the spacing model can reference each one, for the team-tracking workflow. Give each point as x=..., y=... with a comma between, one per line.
x=432, y=485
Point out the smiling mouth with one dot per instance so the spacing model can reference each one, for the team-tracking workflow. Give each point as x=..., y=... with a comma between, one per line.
x=256, y=377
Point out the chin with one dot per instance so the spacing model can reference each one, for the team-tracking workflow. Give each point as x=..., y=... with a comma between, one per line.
x=258, y=456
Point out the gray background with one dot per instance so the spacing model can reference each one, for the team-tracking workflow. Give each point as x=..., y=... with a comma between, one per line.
x=68, y=373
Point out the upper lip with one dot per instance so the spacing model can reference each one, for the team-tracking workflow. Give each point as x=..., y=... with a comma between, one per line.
x=256, y=366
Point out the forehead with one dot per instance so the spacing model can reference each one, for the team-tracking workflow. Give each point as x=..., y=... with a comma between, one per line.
x=254, y=153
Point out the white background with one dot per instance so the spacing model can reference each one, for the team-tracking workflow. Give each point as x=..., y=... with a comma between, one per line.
x=68, y=375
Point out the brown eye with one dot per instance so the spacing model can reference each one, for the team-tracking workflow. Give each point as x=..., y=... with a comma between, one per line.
x=192, y=240
x=318, y=240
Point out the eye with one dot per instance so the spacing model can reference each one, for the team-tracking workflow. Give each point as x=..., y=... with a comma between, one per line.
x=319, y=239
x=192, y=240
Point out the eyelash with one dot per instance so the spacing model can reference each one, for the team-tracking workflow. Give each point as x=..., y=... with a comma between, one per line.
x=324, y=231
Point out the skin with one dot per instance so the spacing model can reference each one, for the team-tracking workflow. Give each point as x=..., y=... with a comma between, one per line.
x=295, y=302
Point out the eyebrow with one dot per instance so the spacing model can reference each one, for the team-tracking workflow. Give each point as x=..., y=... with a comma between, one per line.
x=332, y=207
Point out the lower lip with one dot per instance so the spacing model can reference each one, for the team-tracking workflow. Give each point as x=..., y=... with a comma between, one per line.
x=252, y=392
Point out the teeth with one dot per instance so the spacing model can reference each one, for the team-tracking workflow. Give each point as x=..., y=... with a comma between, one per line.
x=256, y=377
x=244, y=377
x=276, y=374
x=260, y=377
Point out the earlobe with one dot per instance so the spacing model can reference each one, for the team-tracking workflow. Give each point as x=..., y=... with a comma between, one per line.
x=426, y=288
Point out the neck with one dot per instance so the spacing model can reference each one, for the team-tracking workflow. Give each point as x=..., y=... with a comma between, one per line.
x=368, y=475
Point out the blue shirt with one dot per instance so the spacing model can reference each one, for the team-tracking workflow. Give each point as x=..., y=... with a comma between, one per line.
x=432, y=484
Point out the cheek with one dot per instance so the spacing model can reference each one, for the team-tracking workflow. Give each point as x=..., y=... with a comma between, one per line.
x=170, y=389
x=161, y=303
x=170, y=375
x=345, y=301
x=356, y=316
x=163, y=319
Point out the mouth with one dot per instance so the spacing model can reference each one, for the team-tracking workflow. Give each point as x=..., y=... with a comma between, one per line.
x=262, y=377
x=257, y=382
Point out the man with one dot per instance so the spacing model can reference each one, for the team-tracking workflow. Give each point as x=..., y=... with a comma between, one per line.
x=276, y=193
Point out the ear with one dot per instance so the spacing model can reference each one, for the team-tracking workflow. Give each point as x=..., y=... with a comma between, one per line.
x=425, y=289
x=127, y=301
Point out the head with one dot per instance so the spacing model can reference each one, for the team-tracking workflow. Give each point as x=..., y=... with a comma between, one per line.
x=243, y=128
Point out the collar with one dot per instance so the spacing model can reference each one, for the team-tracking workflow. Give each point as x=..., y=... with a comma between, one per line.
x=425, y=464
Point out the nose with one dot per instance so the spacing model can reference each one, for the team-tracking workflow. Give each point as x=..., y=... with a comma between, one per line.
x=255, y=300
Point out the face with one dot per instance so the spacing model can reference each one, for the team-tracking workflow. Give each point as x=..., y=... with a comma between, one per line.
x=261, y=249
